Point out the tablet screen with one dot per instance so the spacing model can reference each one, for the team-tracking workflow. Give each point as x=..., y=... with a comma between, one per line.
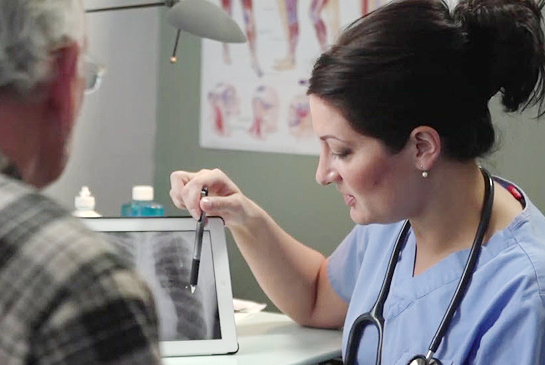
x=160, y=249
x=163, y=259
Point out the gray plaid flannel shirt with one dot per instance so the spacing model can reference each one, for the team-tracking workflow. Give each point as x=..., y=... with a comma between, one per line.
x=65, y=296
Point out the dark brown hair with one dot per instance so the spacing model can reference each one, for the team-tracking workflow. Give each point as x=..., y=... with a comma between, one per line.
x=414, y=62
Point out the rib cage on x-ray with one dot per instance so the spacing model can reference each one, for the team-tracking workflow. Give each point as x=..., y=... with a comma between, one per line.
x=163, y=259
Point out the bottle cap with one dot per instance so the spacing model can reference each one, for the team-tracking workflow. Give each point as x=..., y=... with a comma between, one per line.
x=84, y=200
x=142, y=192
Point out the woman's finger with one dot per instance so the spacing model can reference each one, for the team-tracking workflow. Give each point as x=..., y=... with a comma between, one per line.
x=178, y=179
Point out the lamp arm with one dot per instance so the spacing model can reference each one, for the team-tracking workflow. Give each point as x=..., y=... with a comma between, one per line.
x=198, y=17
x=126, y=7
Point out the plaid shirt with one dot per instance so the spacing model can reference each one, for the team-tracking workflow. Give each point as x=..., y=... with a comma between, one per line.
x=65, y=296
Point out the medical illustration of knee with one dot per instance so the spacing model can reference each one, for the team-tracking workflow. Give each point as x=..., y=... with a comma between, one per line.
x=326, y=28
x=172, y=258
x=325, y=34
x=251, y=33
x=288, y=15
x=368, y=6
x=299, y=120
x=265, y=112
x=225, y=104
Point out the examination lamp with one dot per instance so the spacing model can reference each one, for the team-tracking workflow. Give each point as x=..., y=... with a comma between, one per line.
x=198, y=17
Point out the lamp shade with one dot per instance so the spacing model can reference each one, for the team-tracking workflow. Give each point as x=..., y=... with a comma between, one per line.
x=204, y=19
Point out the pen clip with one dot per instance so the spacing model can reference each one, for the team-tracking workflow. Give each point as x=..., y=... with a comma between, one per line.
x=204, y=192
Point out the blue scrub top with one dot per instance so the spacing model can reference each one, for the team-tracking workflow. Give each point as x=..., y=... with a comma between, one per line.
x=501, y=320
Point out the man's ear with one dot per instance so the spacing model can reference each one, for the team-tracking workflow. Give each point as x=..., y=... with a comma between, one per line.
x=62, y=87
x=427, y=147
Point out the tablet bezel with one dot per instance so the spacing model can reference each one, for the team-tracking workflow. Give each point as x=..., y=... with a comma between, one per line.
x=215, y=226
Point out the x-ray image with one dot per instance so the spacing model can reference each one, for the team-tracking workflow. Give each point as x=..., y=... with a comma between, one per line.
x=163, y=259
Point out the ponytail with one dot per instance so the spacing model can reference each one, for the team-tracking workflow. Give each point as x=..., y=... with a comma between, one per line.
x=506, y=49
x=416, y=62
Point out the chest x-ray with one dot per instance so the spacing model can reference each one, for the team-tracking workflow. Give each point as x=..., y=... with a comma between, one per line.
x=163, y=259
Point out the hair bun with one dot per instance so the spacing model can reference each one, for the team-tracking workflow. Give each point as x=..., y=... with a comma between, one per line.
x=505, y=49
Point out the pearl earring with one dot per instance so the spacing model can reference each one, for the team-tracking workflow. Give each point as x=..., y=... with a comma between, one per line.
x=424, y=173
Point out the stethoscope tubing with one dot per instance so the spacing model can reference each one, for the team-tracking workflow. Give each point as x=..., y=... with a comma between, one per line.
x=467, y=274
x=375, y=316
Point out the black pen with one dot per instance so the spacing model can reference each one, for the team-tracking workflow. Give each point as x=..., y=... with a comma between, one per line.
x=194, y=276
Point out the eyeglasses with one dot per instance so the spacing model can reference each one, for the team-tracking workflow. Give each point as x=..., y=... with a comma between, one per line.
x=94, y=72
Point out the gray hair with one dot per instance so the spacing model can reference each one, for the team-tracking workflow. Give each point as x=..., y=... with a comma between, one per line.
x=29, y=31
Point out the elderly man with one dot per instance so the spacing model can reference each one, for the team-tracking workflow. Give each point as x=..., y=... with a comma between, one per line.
x=65, y=297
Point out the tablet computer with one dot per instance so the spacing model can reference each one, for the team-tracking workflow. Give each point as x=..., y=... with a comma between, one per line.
x=161, y=251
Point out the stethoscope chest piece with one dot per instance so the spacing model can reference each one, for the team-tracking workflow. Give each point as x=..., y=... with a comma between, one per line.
x=421, y=360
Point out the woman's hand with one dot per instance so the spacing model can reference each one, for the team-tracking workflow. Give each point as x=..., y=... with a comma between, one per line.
x=224, y=198
x=293, y=275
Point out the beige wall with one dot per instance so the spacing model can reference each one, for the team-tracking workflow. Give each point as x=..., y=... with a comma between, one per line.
x=114, y=141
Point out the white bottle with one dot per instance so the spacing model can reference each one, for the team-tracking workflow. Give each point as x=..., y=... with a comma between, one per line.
x=85, y=204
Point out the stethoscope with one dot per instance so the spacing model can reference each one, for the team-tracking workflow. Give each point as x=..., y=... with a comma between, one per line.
x=375, y=316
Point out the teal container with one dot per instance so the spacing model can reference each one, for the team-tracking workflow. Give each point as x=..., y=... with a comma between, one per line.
x=142, y=204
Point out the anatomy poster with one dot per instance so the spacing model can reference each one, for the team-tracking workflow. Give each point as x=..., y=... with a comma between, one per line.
x=253, y=95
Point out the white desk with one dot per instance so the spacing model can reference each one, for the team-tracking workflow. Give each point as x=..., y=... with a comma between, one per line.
x=273, y=339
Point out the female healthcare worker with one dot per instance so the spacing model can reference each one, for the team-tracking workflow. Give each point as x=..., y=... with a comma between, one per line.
x=400, y=106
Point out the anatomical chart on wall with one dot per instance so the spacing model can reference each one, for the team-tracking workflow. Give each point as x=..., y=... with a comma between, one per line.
x=253, y=95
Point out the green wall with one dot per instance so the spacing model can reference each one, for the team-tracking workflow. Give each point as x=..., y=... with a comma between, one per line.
x=284, y=184
x=520, y=150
